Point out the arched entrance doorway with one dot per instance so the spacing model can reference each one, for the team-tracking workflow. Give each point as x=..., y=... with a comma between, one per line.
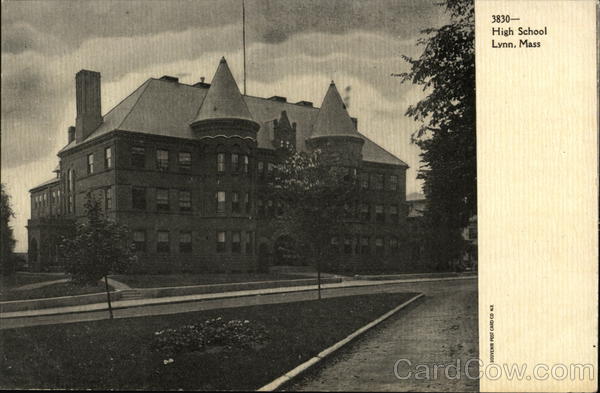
x=285, y=252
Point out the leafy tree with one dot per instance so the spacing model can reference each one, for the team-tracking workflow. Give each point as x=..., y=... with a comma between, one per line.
x=8, y=241
x=317, y=198
x=446, y=70
x=100, y=247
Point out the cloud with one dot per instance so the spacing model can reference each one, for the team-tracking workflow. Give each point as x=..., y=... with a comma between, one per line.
x=274, y=21
x=75, y=22
x=72, y=23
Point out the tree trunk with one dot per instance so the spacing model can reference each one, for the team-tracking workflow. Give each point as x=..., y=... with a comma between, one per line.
x=319, y=278
x=110, y=312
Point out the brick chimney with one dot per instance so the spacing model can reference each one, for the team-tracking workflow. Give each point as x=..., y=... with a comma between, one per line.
x=87, y=96
x=71, y=134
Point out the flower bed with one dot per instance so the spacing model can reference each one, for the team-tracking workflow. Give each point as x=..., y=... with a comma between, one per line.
x=214, y=332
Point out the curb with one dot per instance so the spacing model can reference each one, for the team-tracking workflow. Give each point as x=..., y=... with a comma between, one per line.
x=287, y=377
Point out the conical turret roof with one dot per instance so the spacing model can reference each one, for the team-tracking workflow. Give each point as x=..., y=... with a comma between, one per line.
x=333, y=118
x=223, y=99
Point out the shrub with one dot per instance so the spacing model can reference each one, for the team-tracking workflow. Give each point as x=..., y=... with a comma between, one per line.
x=210, y=333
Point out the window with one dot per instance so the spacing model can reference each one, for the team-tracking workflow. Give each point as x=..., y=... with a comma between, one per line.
x=236, y=242
x=379, y=216
x=185, y=161
x=379, y=246
x=245, y=163
x=393, y=183
x=335, y=243
x=377, y=181
x=235, y=162
x=71, y=204
x=261, y=169
x=269, y=209
x=365, y=214
x=108, y=197
x=108, y=158
x=364, y=181
x=185, y=201
x=394, y=245
x=139, y=241
x=260, y=208
x=220, y=241
x=138, y=157
x=221, y=162
x=247, y=205
x=71, y=180
x=347, y=245
x=220, y=197
x=185, y=242
x=90, y=163
x=162, y=199
x=235, y=202
x=270, y=169
x=393, y=209
x=162, y=241
x=138, y=198
x=249, y=248
x=364, y=245
x=162, y=159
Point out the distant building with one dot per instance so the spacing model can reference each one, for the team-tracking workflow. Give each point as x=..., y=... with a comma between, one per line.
x=180, y=165
x=416, y=205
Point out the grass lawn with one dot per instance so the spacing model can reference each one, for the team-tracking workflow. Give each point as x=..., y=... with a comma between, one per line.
x=177, y=280
x=54, y=290
x=118, y=354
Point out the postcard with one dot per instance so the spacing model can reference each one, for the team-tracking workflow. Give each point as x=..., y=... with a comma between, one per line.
x=300, y=195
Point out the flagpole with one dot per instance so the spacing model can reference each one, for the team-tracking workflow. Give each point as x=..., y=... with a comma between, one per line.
x=244, y=40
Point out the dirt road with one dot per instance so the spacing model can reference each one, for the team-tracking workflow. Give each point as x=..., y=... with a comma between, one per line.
x=441, y=329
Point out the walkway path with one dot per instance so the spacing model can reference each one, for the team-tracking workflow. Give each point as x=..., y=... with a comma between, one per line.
x=42, y=284
x=179, y=304
x=113, y=283
x=440, y=330
x=117, y=284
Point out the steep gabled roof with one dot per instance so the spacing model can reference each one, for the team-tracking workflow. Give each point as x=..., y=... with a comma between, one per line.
x=114, y=119
x=223, y=100
x=333, y=118
x=163, y=107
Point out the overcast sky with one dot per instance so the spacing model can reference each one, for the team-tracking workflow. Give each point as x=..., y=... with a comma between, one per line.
x=294, y=48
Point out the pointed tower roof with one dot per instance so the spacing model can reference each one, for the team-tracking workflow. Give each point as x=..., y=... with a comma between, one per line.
x=223, y=99
x=284, y=120
x=333, y=118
